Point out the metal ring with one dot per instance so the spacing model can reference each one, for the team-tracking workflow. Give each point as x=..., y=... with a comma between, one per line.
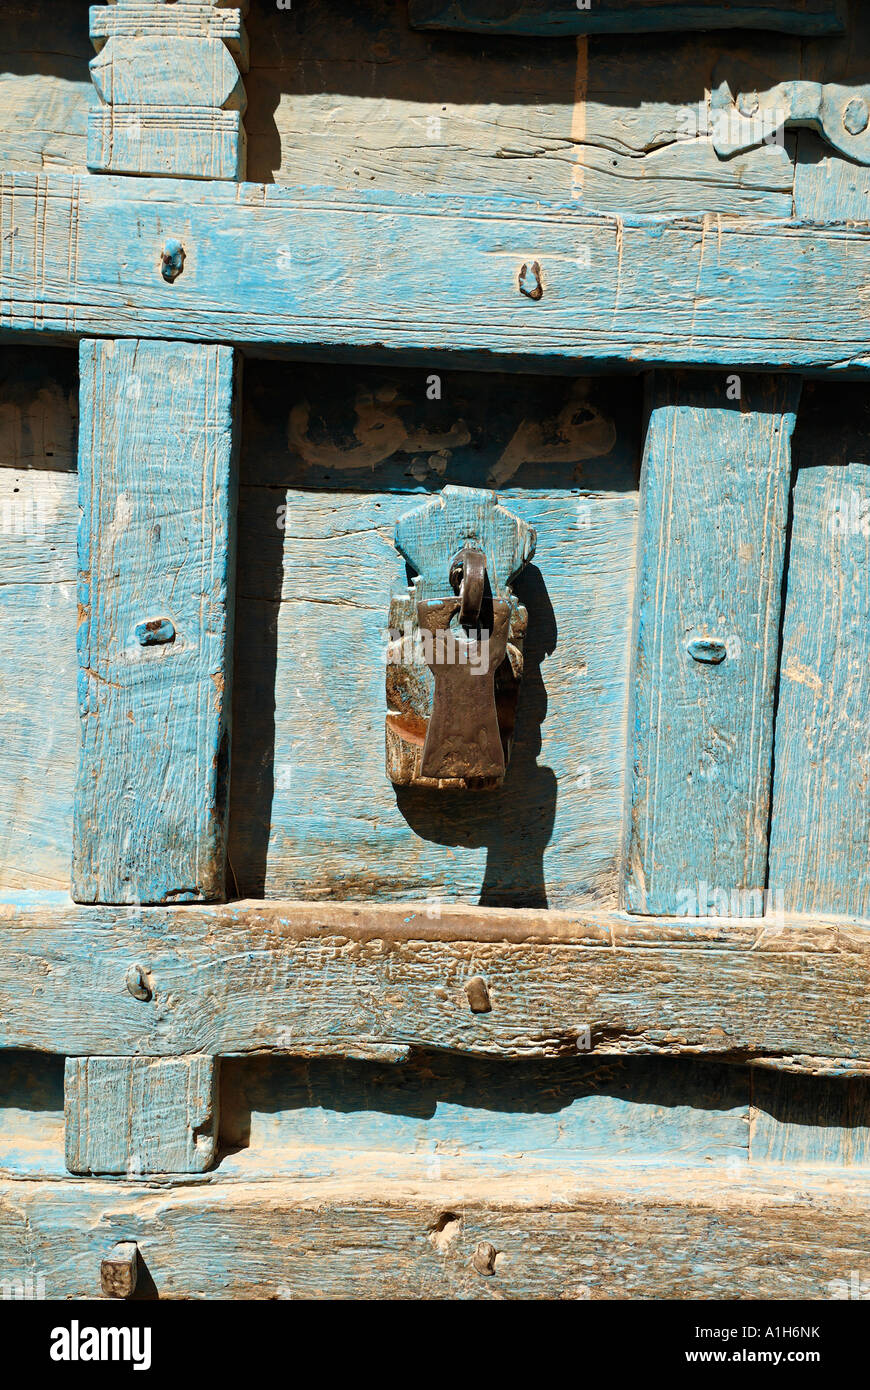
x=469, y=567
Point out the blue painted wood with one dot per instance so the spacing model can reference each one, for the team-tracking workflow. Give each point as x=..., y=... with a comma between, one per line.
x=294, y=1115
x=331, y=459
x=291, y=1115
x=644, y=290
x=165, y=72
x=177, y=142
x=38, y=517
x=140, y=1115
x=810, y=1121
x=310, y=978
x=431, y=535
x=170, y=104
x=605, y=1231
x=715, y=488
x=559, y=17
x=820, y=826
x=189, y=20
x=158, y=482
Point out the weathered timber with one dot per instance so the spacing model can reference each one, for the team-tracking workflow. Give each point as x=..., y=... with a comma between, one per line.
x=715, y=488
x=270, y=268
x=140, y=1115
x=156, y=570
x=301, y=978
x=38, y=516
x=431, y=1111
x=600, y=1233
x=153, y=19
x=171, y=141
x=557, y=17
x=331, y=458
x=170, y=104
x=796, y=1120
x=820, y=825
x=547, y=119
x=829, y=186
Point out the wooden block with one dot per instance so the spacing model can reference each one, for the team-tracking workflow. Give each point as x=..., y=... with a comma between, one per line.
x=179, y=141
x=156, y=547
x=820, y=826
x=188, y=19
x=85, y=255
x=139, y=1115
x=167, y=73
x=552, y=17
x=715, y=489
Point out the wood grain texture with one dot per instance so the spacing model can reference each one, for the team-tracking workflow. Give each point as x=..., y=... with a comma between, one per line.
x=715, y=491
x=158, y=483
x=821, y=810
x=145, y=72
x=643, y=130
x=547, y=17
x=547, y=119
x=331, y=457
x=595, y=1234
x=38, y=517
x=335, y=101
x=140, y=1115
x=255, y=274
x=185, y=20
x=171, y=104
x=433, y=1114
x=307, y=978
x=798, y=1121
x=173, y=140
x=44, y=85
x=829, y=186
x=440, y=1114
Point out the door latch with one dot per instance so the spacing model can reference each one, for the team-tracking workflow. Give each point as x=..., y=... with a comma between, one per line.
x=454, y=657
x=840, y=114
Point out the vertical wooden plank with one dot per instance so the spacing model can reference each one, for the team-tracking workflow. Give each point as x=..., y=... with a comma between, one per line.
x=139, y=1115
x=820, y=827
x=158, y=484
x=715, y=487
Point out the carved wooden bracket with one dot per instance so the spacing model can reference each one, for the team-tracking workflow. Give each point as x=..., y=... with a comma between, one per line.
x=170, y=90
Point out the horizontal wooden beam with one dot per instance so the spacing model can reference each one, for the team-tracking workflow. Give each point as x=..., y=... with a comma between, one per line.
x=433, y=278
x=605, y=1234
x=558, y=17
x=309, y=979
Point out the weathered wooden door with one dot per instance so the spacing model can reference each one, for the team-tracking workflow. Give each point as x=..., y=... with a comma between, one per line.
x=592, y=1025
